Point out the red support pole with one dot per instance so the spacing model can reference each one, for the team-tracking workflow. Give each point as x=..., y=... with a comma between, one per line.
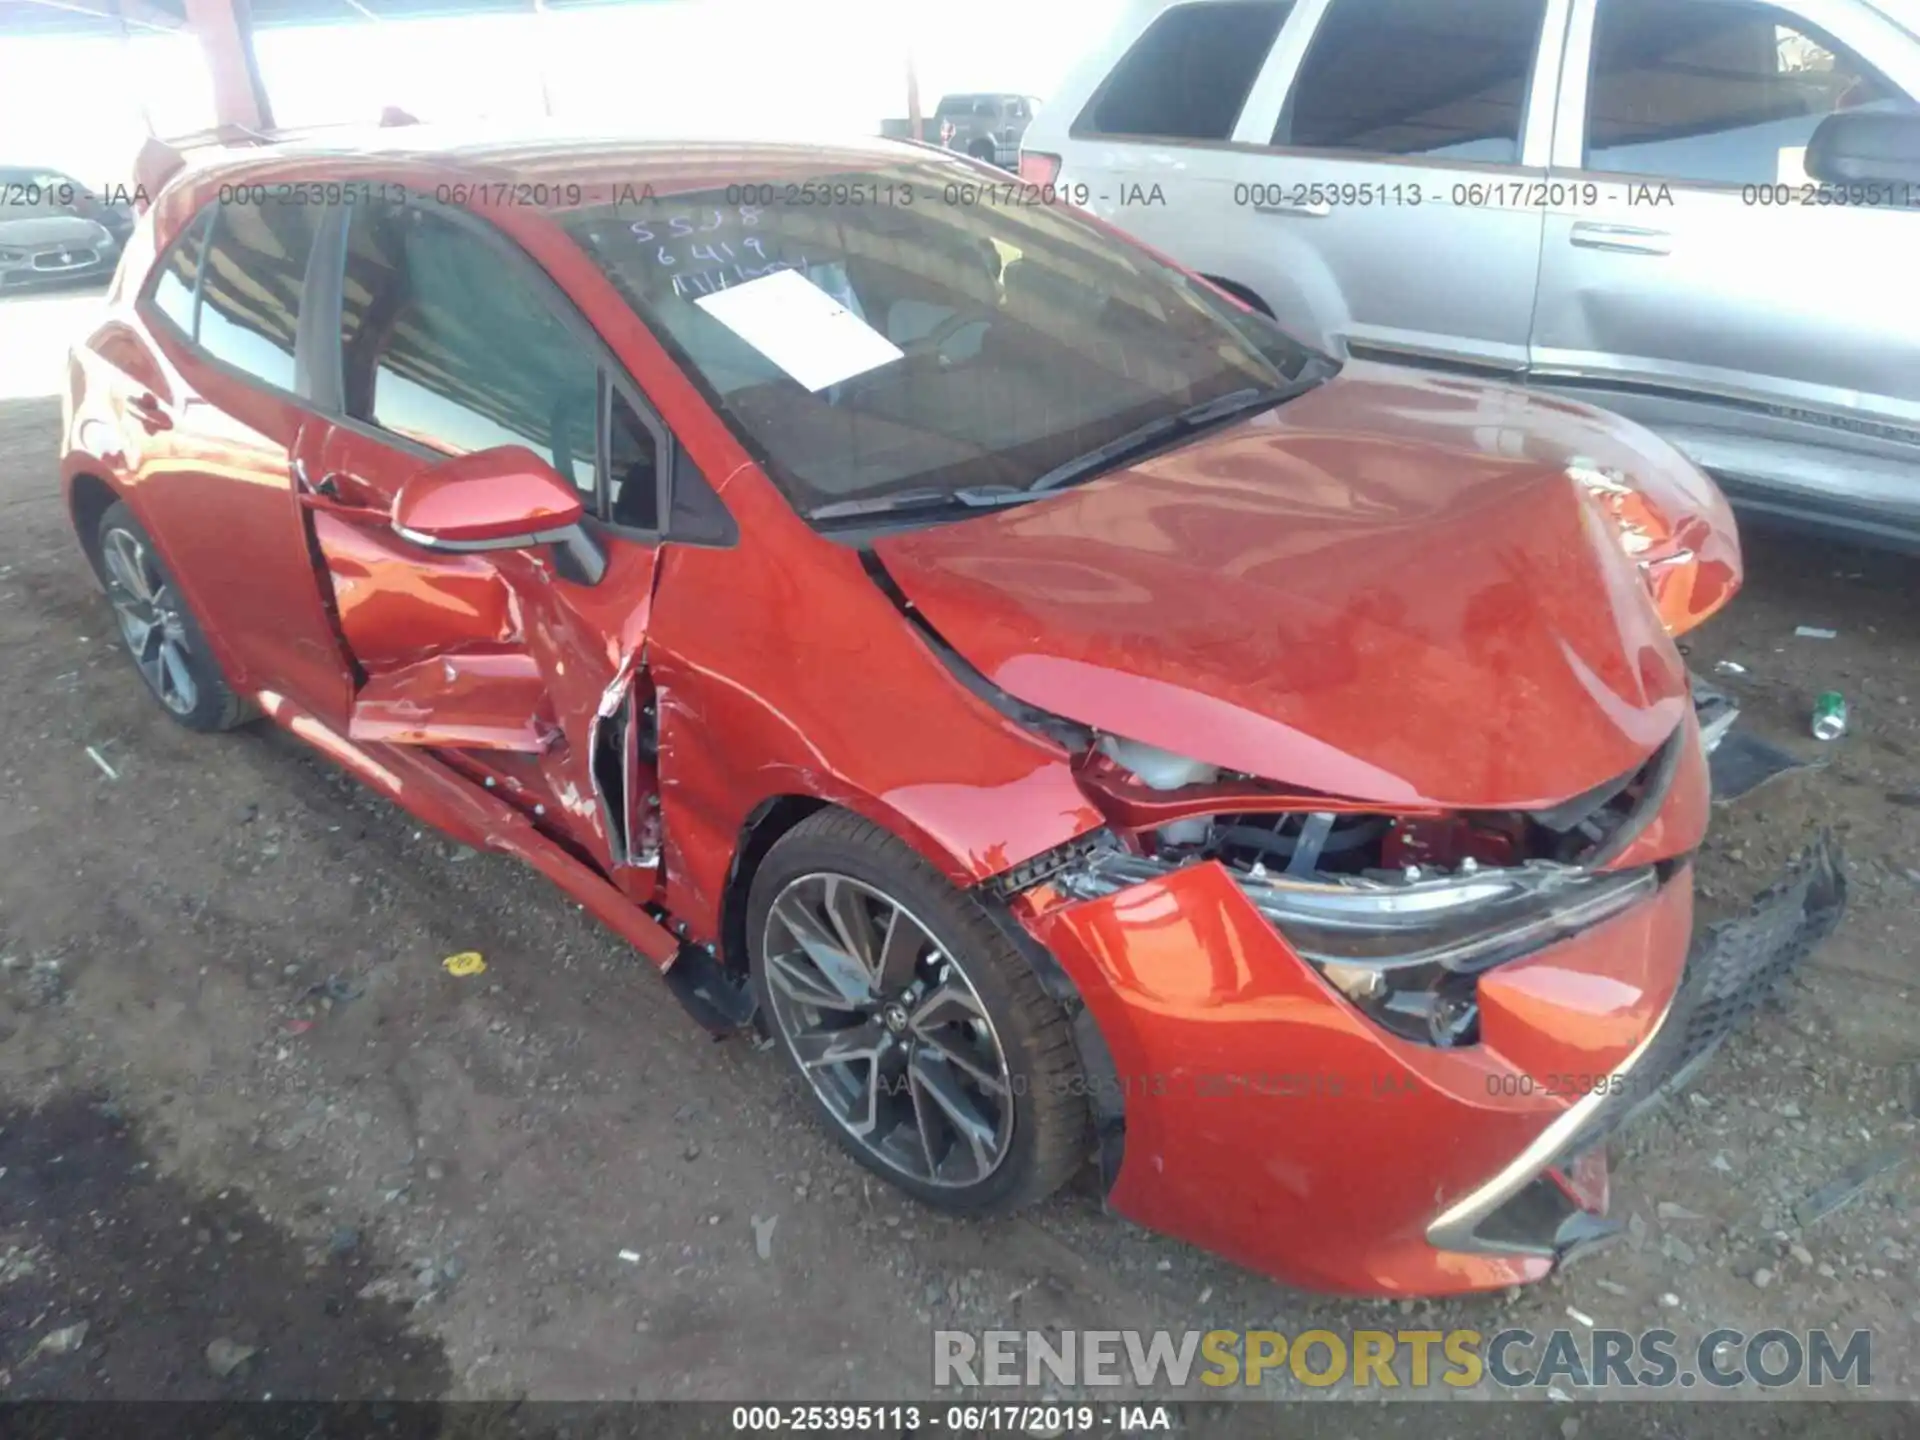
x=225, y=29
x=916, y=123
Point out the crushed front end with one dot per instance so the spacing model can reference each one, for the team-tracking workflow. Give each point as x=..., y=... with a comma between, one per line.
x=1551, y=1200
x=1380, y=1052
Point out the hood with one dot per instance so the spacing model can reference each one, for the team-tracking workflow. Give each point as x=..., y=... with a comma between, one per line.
x=1398, y=588
x=41, y=231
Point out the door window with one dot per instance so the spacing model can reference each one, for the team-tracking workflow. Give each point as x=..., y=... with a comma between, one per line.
x=250, y=287
x=1717, y=93
x=176, y=279
x=1411, y=77
x=448, y=341
x=1188, y=75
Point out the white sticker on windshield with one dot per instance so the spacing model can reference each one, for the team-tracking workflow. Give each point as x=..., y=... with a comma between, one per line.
x=801, y=328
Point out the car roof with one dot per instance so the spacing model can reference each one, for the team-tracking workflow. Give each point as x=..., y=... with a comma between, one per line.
x=1904, y=13
x=551, y=156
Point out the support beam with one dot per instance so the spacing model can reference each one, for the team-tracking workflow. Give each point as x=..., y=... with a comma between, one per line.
x=916, y=123
x=125, y=27
x=225, y=29
x=542, y=33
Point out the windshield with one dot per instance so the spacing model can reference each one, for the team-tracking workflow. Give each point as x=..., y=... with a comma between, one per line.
x=921, y=329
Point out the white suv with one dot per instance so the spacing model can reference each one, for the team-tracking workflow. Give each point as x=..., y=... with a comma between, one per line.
x=1612, y=199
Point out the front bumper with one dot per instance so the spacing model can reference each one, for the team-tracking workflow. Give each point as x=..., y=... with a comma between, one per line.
x=1551, y=1200
x=1269, y=1121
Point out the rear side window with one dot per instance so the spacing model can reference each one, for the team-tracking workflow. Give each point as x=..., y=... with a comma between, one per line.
x=1717, y=93
x=633, y=467
x=250, y=286
x=1412, y=77
x=449, y=342
x=1188, y=75
x=176, y=280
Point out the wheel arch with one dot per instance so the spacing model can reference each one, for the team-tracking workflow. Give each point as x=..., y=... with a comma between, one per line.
x=764, y=825
x=89, y=497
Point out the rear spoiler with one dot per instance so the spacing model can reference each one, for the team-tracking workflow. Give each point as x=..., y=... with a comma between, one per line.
x=160, y=160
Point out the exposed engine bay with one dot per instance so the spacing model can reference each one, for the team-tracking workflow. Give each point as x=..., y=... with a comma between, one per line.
x=1398, y=912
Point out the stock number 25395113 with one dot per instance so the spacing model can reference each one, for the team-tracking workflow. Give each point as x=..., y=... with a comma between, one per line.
x=764, y=194
x=312, y=192
x=841, y=1419
x=1274, y=195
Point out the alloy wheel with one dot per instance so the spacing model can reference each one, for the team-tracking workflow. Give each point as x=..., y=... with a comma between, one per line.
x=151, y=620
x=888, y=1030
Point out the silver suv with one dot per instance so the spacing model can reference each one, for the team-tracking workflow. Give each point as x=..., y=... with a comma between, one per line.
x=1703, y=214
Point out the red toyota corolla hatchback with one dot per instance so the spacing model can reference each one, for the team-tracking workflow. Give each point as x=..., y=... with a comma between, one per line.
x=1076, y=720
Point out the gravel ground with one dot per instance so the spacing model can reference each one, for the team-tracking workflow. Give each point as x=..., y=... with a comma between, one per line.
x=258, y=1142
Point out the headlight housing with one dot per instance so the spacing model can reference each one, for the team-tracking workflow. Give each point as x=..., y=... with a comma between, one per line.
x=1407, y=950
x=11, y=255
x=1688, y=561
x=1398, y=912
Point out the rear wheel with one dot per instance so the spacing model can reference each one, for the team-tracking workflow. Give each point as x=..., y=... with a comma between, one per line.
x=167, y=645
x=932, y=1052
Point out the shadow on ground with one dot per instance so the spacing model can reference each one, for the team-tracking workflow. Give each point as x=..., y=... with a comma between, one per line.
x=172, y=1287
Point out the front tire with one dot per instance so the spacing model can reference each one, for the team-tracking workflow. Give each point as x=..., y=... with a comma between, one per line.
x=165, y=641
x=932, y=1052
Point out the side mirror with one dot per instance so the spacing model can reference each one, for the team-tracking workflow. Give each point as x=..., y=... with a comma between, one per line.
x=1861, y=147
x=506, y=498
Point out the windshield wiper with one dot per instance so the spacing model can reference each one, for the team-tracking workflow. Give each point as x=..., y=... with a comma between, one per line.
x=904, y=500
x=1154, y=432
x=1187, y=421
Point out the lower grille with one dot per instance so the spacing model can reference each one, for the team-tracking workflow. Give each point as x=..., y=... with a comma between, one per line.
x=1733, y=967
x=1730, y=972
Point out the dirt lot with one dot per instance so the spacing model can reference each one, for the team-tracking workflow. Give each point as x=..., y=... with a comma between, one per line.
x=258, y=1142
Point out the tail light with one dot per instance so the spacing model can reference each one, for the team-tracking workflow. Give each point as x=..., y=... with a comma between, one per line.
x=1039, y=168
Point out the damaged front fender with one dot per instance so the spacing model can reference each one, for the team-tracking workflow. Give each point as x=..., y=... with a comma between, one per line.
x=838, y=701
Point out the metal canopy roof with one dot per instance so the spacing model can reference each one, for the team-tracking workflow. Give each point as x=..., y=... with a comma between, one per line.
x=97, y=17
x=86, y=17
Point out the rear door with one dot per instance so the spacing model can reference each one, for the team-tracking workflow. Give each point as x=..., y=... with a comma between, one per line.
x=1397, y=147
x=1697, y=280
x=516, y=666
x=212, y=411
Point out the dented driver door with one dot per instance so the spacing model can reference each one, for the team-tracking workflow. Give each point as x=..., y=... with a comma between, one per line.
x=520, y=667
